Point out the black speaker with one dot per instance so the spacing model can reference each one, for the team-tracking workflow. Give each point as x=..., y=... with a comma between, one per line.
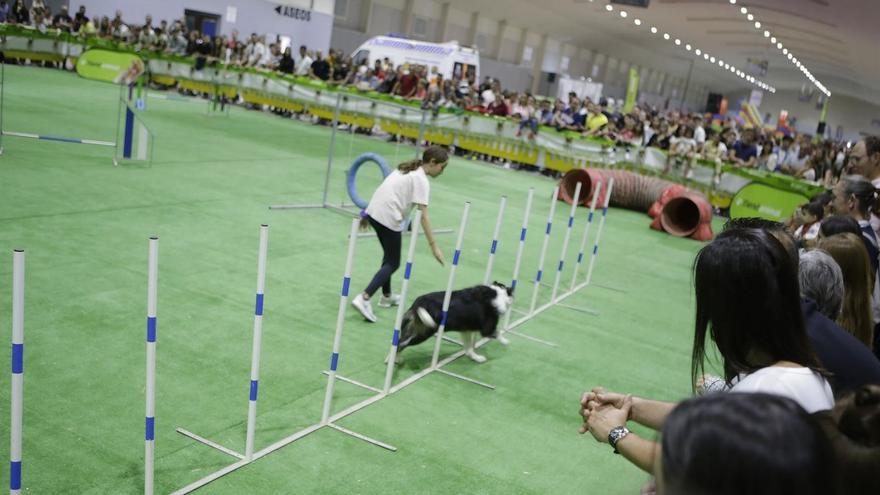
x=713, y=103
x=820, y=129
x=551, y=77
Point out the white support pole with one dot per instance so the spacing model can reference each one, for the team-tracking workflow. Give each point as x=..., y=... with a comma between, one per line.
x=258, y=343
x=340, y=323
x=494, y=246
x=599, y=230
x=583, y=247
x=543, y=255
x=449, y=284
x=401, y=309
x=17, y=395
x=519, y=252
x=564, y=253
x=152, y=289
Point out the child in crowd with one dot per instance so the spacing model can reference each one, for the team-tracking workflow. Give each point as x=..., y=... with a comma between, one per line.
x=682, y=148
x=808, y=218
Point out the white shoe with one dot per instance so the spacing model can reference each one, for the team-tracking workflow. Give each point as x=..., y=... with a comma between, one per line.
x=365, y=308
x=387, y=302
x=477, y=358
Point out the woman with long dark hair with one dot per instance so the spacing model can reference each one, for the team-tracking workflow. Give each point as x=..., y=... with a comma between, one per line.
x=748, y=304
x=387, y=211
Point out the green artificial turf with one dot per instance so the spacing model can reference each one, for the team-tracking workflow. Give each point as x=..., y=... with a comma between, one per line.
x=84, y=224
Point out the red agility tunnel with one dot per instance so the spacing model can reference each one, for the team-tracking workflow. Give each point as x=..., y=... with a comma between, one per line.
x=675, y=209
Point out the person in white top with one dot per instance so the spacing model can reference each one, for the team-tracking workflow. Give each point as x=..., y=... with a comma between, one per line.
x=748, y=303
x=305, y=62
x=387, y=211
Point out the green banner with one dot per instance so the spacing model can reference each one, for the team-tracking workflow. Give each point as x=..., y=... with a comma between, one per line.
x=824, y=115
x=104, y=65
x=763, y=201
x=632, y=90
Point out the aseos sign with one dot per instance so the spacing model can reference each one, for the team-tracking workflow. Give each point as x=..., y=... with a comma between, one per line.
x=294, y=13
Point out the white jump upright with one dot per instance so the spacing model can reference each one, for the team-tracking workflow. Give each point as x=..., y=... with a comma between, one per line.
x=257, y=343
x=340, y=323
x=584, y=239
x=401, y=309
x=494, y=247
x=599, y=230
x=564, y=253
x=543, y=254
x=17, y=395
x=519, y=252
x=447, y=296
x=152, y=298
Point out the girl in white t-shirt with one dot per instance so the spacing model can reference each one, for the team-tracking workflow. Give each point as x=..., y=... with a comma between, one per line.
x=387, y=211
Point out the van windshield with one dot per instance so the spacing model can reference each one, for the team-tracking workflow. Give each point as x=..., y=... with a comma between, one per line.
x=361, y=57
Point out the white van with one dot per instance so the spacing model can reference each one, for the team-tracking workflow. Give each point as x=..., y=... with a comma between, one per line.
x=450, y=58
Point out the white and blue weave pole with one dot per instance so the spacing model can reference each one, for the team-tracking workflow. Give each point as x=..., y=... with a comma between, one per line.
x=401, y=309
x=543, y=254
x=17, y=371
x=447, y=296
x=340, y=322
x=152, y=288
x=494, y=247
x=584, y=239
x=567, y=237
x=599, y=230
x=519, y=252
x=257, y=343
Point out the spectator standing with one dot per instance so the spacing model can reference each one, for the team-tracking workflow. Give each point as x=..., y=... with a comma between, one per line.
x=286, y=64
x=20, y=13
x=305, y=62
x=320, y=67
x=62, y=20
x=851, y=256
x=5, y=11
x=864, y=160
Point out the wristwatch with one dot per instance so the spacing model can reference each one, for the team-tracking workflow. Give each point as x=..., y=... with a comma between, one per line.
x=617, y=434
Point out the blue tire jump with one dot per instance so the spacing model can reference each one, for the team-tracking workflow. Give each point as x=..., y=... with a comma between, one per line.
x=351, y=175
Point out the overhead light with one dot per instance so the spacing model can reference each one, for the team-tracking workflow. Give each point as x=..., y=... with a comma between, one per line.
x=750, y=17
x=653, y=30
x=637, y=22
x=779, y=45
x=726, y=66
x=623, y=13
x=706, y=56
x=744, y=10
x=721, y=63
x=609, y=7
x=766, y=34
x=698, y=51
x=757, y=25
x=665, y=36
x=773, y=39
x=732, y=2
x=785, y=52
x=687, y=47
x=712, y=59
x=677, y=41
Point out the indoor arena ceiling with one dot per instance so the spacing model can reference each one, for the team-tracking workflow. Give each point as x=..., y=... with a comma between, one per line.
x=837, y=40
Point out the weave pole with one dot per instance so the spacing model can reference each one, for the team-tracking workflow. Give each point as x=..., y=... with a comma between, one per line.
x=152, y=288
x=401, y=309
x=519, y=252
x=494, y=247
x=543, y=252
x=340, y=323
x=258, y=342
x=17, y=395
x=583, y=247
x=447, y=296
x=564, y=253
x=599, y=231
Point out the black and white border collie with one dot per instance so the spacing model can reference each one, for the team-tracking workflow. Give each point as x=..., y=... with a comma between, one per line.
x=475, y=309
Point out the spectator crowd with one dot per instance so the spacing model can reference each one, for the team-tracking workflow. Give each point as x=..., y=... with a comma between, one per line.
x=685, y=136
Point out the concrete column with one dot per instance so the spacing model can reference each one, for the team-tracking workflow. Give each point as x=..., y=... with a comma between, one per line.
x=444, y=22
x=499, y=38
x=472, y=32
x=406, y=29
x=367, y=15
x=521, y=46
x=538, y=62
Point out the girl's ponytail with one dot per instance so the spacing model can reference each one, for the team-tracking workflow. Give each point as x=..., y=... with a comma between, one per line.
x=407, y=167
